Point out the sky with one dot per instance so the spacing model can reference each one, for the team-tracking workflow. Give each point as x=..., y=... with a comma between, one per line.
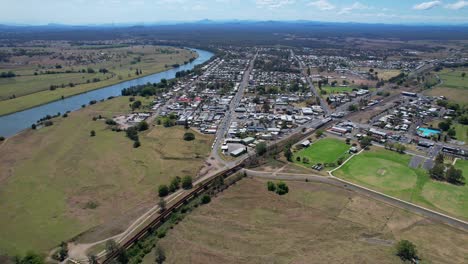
x=82, y=12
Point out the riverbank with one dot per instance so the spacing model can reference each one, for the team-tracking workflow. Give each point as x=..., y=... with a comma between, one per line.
x=47, y=96
x=13, y=123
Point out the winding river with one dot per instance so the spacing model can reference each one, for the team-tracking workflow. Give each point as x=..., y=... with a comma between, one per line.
x=13, y=123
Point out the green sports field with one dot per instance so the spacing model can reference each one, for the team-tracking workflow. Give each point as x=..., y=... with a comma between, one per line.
x=327, y=150
x=388, y=172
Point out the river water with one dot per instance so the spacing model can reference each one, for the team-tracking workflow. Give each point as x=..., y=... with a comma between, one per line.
x=13, y=123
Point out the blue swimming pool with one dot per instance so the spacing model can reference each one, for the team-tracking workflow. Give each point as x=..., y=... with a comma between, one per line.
x=427, y=132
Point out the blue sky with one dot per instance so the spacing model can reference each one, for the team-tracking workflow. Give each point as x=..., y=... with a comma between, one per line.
x=148, y=11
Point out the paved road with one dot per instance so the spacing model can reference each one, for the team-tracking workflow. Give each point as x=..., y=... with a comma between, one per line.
x=314, y=91
x=224, y=125
x=460, y=224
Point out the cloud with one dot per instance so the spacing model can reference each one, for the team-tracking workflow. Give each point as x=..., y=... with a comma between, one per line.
x=355, y=6
x=322, y=5
x=427, y=5
x=273, y=3
x=457, y=5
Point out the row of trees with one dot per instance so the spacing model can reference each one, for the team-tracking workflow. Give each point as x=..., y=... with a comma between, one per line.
x=400, y=148
x=8, y=74
x=175, y=184
x=442, y=172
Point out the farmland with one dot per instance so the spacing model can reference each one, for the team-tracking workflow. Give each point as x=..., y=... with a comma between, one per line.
x=389, y=173
x=58, y=182
x=313, y=223
x=67, y=70
x=327, y=150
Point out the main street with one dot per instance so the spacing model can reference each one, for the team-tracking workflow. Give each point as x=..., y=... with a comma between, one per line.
x=224, y=125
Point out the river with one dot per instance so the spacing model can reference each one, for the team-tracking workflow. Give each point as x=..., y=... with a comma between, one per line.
x=13, y=123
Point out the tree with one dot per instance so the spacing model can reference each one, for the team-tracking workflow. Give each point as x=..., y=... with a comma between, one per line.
x=136, y=105
x=282, y=188
x=163, y=190
x=444, y=125
x=63, y=251
x=455, y=176
x=266, y=106
x=189, y=136
x=205, y=199
x=142, y=126
x=352, y=108
x=33, y=126
x=160, y=255
x=162, y=205
x=187, y=182
x=111, y=246
x=463, y=74
x=132, y=133
x=92, y=259
x=261, y=148
x=30, y=258
x=365, y=142
x=451, y=132
x=437, y=172
x=271, y=186
x=175, y=184
x=288, y=153
x=406, y=250
x=439, y=159
x=136, y=144
x=92, y=133
x=319, y=133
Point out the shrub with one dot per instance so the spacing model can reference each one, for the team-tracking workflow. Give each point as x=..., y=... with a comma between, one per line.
x=33, y=126
x=189, y=136
x=205, y=199
x=271, y=186
x=48, y=123
x=142, y=126
x=282, y=188
x=136, y=144
x=92, y=133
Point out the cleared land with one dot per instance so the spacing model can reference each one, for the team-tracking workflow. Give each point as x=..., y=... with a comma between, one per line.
x=313, y=223
x=453, y=85
x=388, y=172
x=327, y=150
x=52, y=178
x=121, y=63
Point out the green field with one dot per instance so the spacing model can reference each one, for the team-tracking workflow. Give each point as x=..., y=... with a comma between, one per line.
x=31, y=90
x=461, y=132
x=453, y=79
x=388, y=172
x=326, y=150
x=333, y=90
x=50, y=176
x=313, y=223
x=453, y=85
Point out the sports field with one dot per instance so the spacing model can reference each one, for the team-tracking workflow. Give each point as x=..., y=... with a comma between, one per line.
x=57, y=182
x=35, y=76
x=313, y=223
x=327, y=150
x=388, y=172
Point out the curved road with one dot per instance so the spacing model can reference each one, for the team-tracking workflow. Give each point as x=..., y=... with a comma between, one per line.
x=457, y=223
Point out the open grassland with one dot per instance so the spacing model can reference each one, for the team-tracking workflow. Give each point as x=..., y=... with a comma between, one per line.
x=327, y=150
x=383, y=73
x=452, y=78
x=313, y=223
x=57, y=182
x=31, y=90
x=453, y=85
x=388, y=172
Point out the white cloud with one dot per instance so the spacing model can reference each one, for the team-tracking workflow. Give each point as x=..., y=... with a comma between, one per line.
x=273, y=3
x=457, y=5
x=322, y=5
x=427, y=5
x=355, y=6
